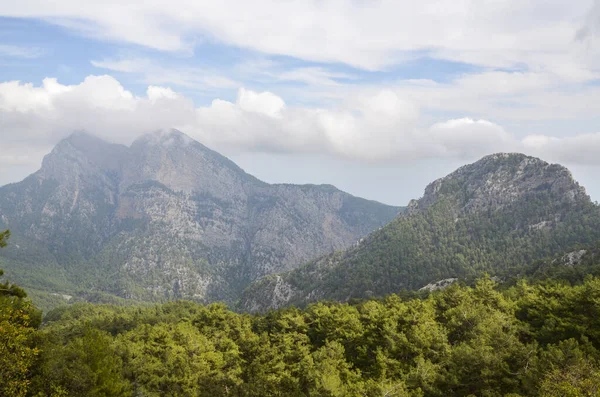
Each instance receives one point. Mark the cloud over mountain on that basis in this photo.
(377, 126)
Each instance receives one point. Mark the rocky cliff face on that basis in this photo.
(498, 180)
(496, 215)
(168, 217)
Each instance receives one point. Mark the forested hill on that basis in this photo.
(496, 215)
(523, 338)
(165, 218)
(537, 340)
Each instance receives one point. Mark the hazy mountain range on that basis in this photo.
(166, 218)
(169, 218)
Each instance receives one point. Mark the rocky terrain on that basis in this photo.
(166, 218)
(496, 215)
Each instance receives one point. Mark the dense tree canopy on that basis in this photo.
(18, 321)
(529, 340)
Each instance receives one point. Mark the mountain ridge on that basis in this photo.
(167, 217)
(500, 212)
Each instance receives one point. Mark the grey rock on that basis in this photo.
(573, 258)
(439, 285)
(498, 180)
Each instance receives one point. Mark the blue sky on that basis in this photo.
(340, 92)
(59, 52)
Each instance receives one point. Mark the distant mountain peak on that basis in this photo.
(85, 151)
(507, 155)
(166, 137)
(168, 217)
(81, 140)
(182, 164)
(494, 216)
(498, 179)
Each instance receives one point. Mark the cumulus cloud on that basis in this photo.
(580, 149)
(265, 103)
(467, 138)
(40, 116)
(376, 126)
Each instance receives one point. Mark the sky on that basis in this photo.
(377, 97)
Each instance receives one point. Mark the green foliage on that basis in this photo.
(538, 339)
(577, 380)
(8, 289)
(18, 320)
(528, 340)
(17, 351)
(85, 365)
(3, 237)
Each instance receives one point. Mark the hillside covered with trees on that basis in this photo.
(526, 338)
(496, 215)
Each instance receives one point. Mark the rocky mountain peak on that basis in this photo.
(82, 153)
(494, 216)
(165, 138)
(499, 179)
(168, 217)
(182, 164)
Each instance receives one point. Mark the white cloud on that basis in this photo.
(591, 29)
(501, 83)
(507, 96)
(580, 149)
(379, 126)
(548, 50)
(155, 93)
(316, 76)
(14, 51)
(40, 116)
(124, 65)
(265, 103)
(152, 73)
(467, 138)
(366, 34)
(537, 59)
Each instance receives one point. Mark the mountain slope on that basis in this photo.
(497, 214)
(164, 218)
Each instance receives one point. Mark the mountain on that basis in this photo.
(166, 218)
(496, 215)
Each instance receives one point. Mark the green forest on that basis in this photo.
(534, 337)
